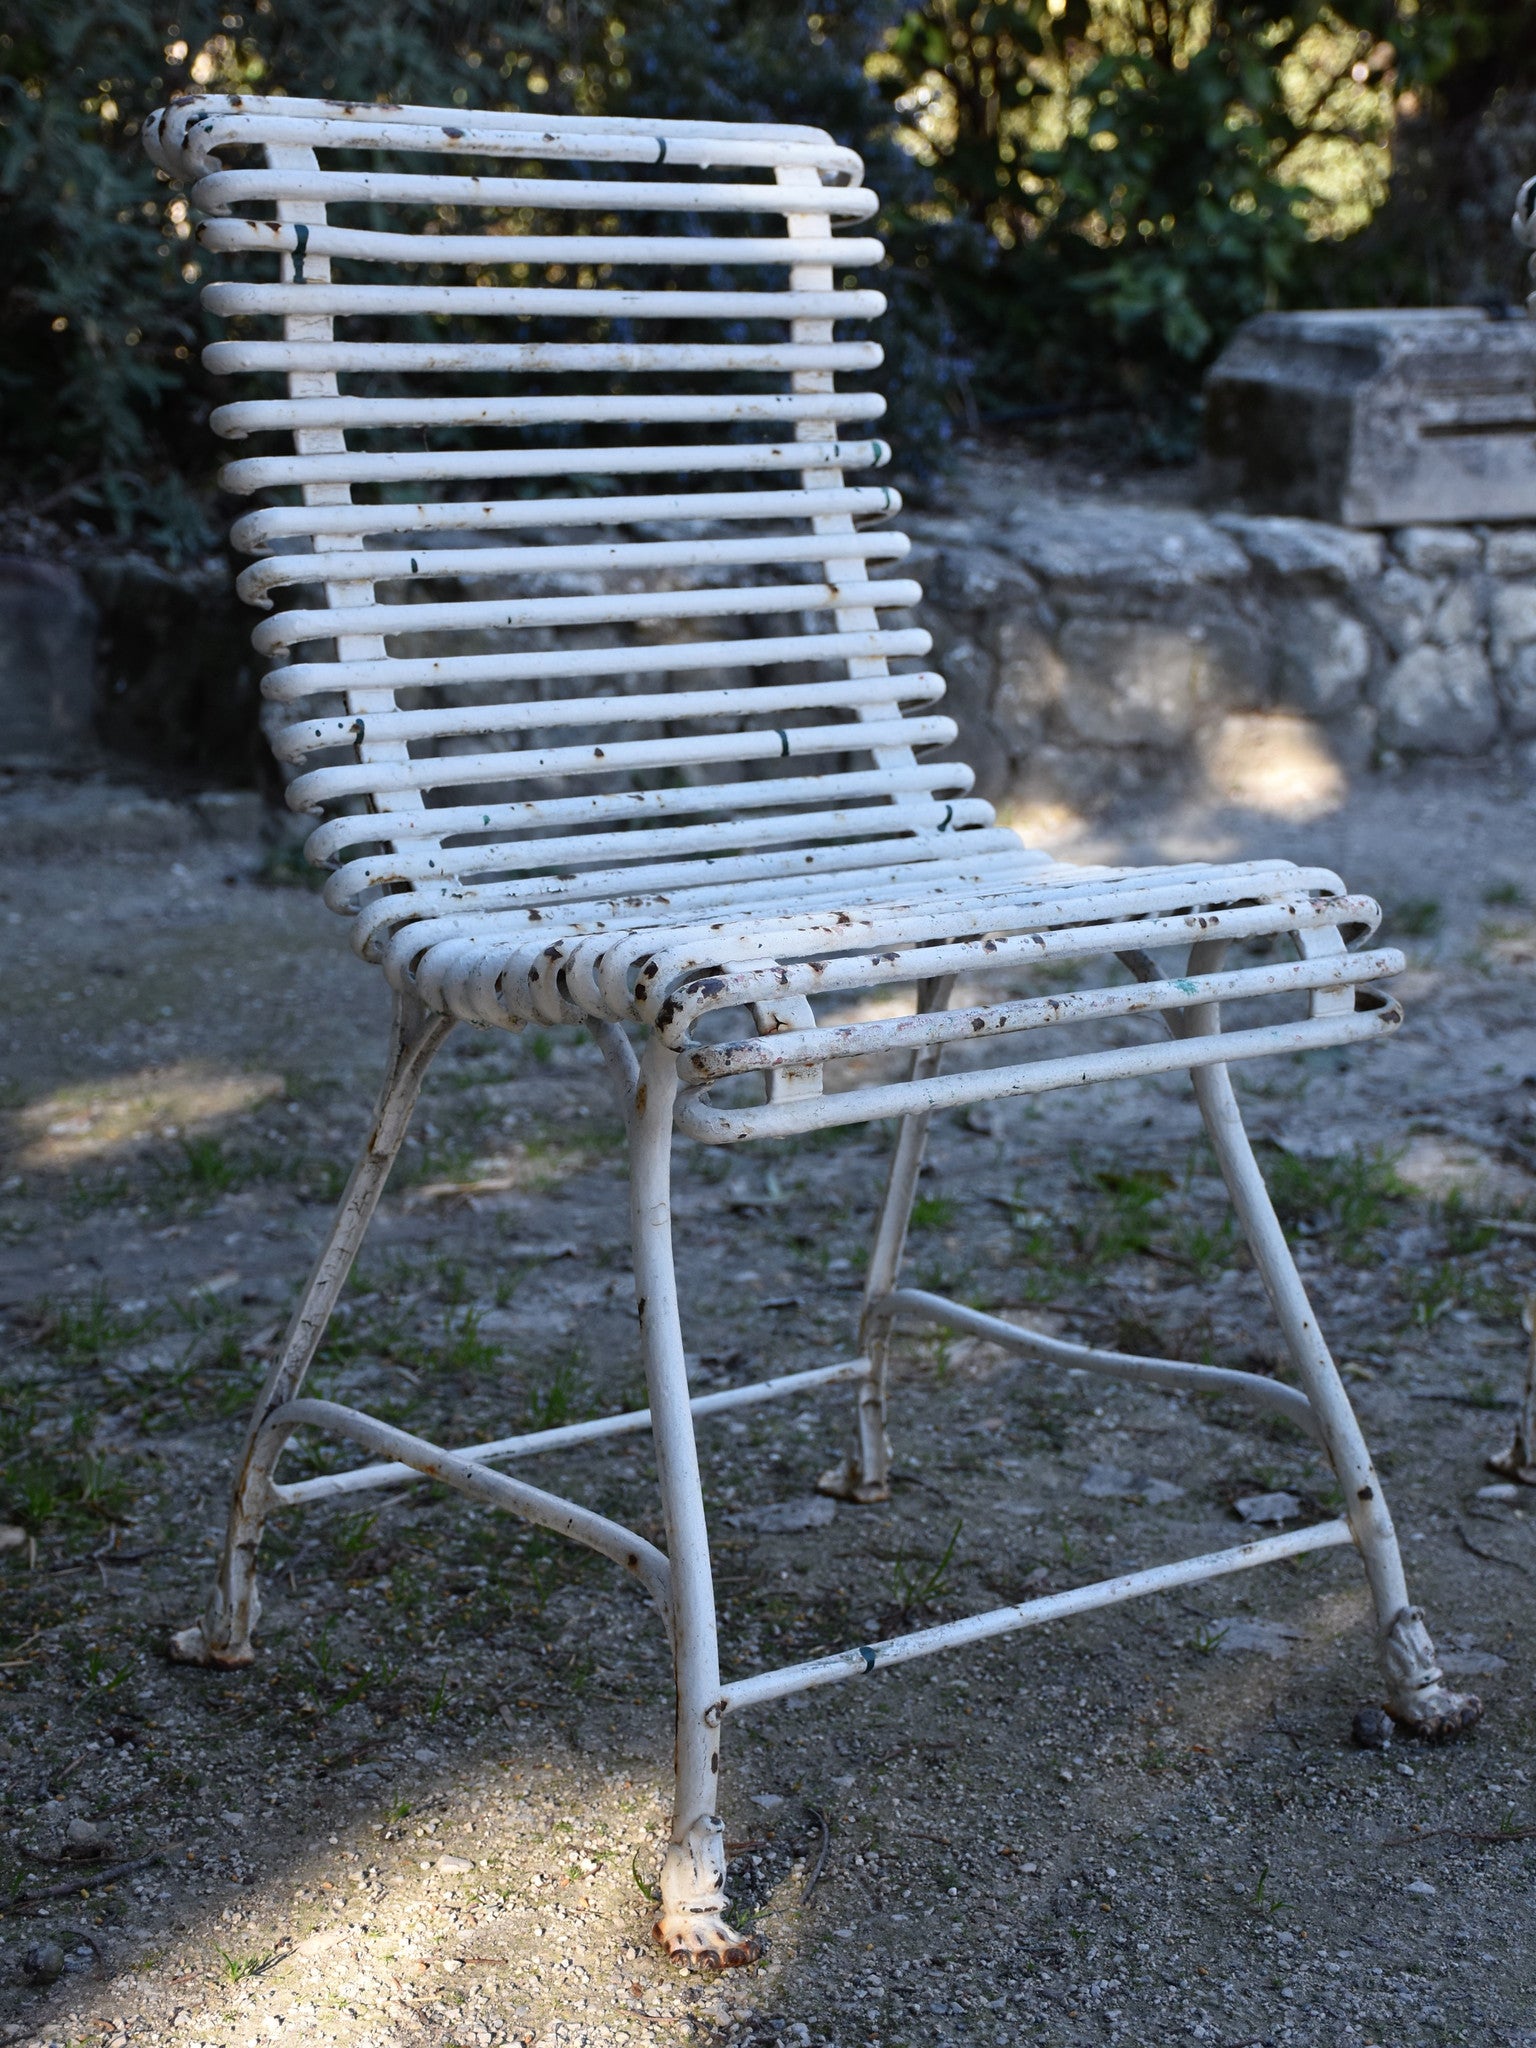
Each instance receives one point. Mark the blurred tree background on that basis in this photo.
(1082, 197)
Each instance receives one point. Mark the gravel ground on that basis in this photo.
(427, 1813)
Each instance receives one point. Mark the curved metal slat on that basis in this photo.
(606, 608)
(482, 358)
(229, 236)
(265, 472)
(373, 415)
(220, 190)
(637, 807)
(610, 757)
(462, 671)
(675, 707)
(391, 565)
(254, 532)
(532, 302)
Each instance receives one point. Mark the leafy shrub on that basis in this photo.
(1082, 198)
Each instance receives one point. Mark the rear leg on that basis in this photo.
(223, 1636)
(865, 1473)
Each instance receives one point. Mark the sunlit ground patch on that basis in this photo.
(1274, 762)
(96, 1119)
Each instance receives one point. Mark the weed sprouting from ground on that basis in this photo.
(1347, 1195)
(918, 1582)
(1414, 917)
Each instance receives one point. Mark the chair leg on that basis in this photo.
(692, 1923)
(223, 1636)
(1519, 1461)
(865, 1473)
(1416, 1696)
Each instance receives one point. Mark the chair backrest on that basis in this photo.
(671, 651)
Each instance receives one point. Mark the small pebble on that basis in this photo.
(43, 1963)
(1372, 1728)
(1261, 1508)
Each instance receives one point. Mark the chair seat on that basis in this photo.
(674, 960)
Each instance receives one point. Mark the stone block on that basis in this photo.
(47, 665)
(1439, 700)
(1133, 682)
(1305, 549)
(1512, 552)
(1517, 687)
(1123, 548)
(1375, 418)
(1324, 656)
(1512, 620)
(1401, 605)
(1460, 614)
(1030, 674)
(1436, 550)
(978, 579)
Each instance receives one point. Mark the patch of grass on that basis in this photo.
(1432, 1291)
(917, 1582)
(1126, 1213)
(932, 1212)
(1345, 1195)
(1204, 1250)
(1413, 917)
(238, 1968)
(353, 1533)
(558, 1397)
(1505, 895)
(463, 1349)
(83, 1331)
(1465, 1231)
(285, 867)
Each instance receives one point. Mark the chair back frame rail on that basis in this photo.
(679, 780)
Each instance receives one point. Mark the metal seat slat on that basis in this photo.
(604, 608)
(372, 415)
(391, 565)
(538, 814)
(229, 236)
(255, 532)
(452, 671)
(612, 757)
(535, 302)
(220, 190)
(763, 700)
(483, 358)
(267, 472)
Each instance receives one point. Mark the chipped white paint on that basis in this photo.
(643, 859)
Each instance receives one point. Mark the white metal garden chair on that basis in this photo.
(525, 823)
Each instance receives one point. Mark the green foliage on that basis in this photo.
(1081, 198)
(1344, 1197)
(98, 274)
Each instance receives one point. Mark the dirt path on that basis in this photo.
(422, 1816)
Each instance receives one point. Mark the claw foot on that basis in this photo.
(1419, 1701)
(704, 1940)
(1512, 1464)
(692, 1925)
(844, 1482)
(191, 1646)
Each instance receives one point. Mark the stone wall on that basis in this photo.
(111, 661)
(1091, 647)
